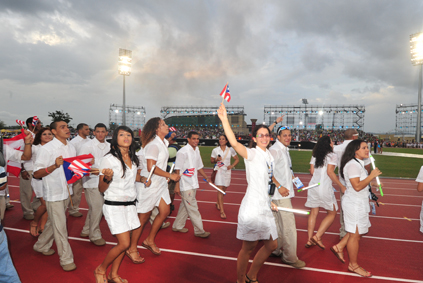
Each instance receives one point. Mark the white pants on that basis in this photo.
(95, 211)
(189, 208)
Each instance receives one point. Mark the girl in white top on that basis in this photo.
(117, 181)
(221, 155)
(322, 195)
(255, 218)
(355, 203)
(157, 195)
(40, 217)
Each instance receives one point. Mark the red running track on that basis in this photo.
(392, 250)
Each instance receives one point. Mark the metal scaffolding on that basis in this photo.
(311, 117)
(406, 119)
(166, 111)
(135, 116)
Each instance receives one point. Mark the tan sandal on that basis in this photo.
(359, 268)
(151, 248)
(99, 277)
(309, 244)
(318, 242)
(134, 260)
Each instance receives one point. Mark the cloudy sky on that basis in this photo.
(62, 55)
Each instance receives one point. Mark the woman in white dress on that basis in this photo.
(42, 137)
(355, 203)
(117, 181)
(322, 195)
(255, 217)
(221, 156)
(154, 147)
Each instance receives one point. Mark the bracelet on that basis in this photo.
(107, 181)
(47, 171)
(279, 187)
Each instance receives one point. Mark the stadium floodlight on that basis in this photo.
(124, 68)
(416, 49)
(305, 101)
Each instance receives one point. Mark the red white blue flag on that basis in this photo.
(17, 143)
(220, 164)
(20, 123)
(172, 129)
(189, 172)
(77, 167)
(34, 121)
(225, 93)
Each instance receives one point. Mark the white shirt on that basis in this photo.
(227, 161)
(339, 150)
(188, 158)
(98, 150)
(77, 142)
(55, 184)
(354, 169)
(282, 169)
(419, 178)
(157, 151)
(120, 189)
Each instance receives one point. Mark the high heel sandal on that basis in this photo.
(134, 260)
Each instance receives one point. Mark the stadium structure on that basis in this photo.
(204, 117)
(314, 117)
(135, 116)
(406, 119)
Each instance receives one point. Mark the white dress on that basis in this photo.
(419, 179)
(223, 175)
(120, 218)
(37, 184)
(255, 218)
(355, 205)
(322, 195)
(149, 197)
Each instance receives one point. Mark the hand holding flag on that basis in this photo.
(225, 93)
(75, 170)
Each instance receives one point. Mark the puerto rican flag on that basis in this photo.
(172, 129)
(220, 164)
(225, 93)
(34, 120)
(17, 143)
(189, 172)
(77, 167)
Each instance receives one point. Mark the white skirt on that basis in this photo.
(121, 218)
(223, 177)
(149, 197)
(356, 214)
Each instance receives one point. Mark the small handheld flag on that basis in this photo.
(20, 123)
(34, 120)
(225, 93)
(309, 187)
(372, 160)
(189, 172)
(76, 170)
(220, 164)
(172, 129)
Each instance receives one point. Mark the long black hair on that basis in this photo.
(252, 143)
(115, 151)
(321, 150)
(349, 154)
(149, 131)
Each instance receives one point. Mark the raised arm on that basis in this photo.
(223, 116)
(278, 120)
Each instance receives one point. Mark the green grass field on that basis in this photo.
(403, 150)
(391, 166)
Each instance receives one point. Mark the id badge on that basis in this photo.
(297, 183)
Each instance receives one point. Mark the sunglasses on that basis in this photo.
(283, 128)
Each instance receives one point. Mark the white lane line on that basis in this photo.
(303, 230)
(234, 259)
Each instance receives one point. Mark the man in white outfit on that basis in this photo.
(189, 157)
(78, 141)
(98, 147)
(48, 166)
(285, 221)
(349, 136)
